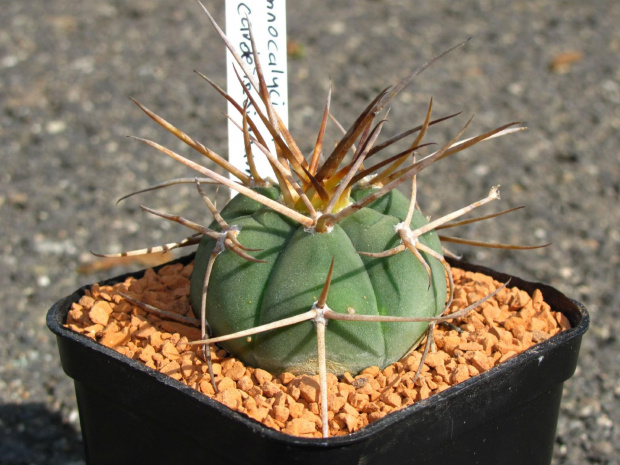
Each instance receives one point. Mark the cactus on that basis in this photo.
(289, 279)
(327, 242)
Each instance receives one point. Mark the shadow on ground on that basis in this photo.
(32, 434)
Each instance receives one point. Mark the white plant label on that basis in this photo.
(268, 21)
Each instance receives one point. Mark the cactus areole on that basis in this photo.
(243, 294)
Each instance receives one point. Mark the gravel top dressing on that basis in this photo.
(500, 328)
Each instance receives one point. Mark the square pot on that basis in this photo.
(507, 415)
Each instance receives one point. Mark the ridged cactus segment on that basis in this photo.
(403, 286)
(295, 285)
(234, 301)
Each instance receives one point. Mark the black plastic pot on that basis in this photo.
(131, 414)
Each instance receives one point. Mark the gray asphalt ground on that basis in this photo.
(68, 68)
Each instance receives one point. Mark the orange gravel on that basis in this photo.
(499, 329)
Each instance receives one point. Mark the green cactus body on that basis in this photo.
(243, 295)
